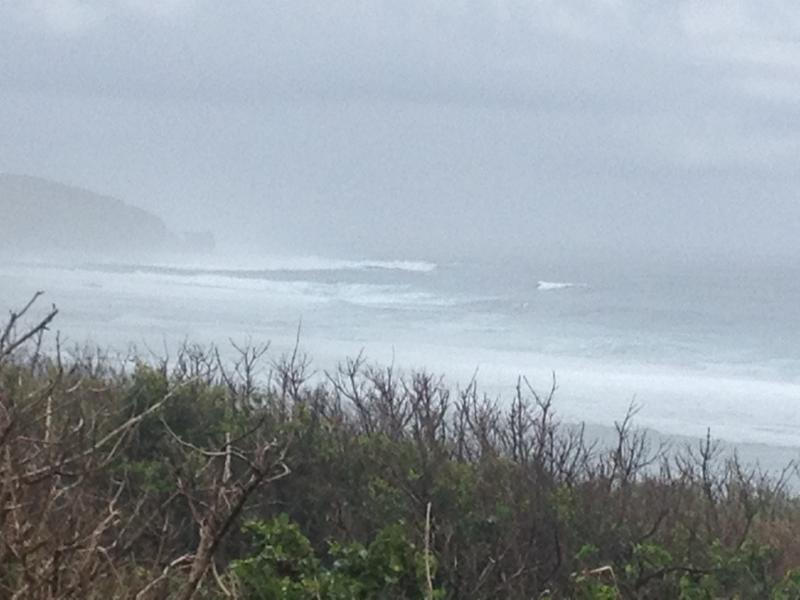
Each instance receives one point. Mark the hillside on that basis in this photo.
(40, 218)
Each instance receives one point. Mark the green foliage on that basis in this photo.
(742, 572)
(519, 508)
(594, 586)
(587, 554)
(285, 567)
(789, 587)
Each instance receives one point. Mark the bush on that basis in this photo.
(129, 479)
(285, 567)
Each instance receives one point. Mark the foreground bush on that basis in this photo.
(125, 478)
(285, 566)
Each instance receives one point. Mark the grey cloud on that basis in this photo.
(366, 126)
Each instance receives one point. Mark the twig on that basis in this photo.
(428, 574)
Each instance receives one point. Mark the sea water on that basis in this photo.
(694, 347)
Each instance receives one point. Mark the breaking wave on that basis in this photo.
(545, 286)
(268, 264)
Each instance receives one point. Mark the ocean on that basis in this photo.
(693, 347)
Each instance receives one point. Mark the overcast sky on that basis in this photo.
(422, 127)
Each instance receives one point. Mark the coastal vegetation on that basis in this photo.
(197, 476)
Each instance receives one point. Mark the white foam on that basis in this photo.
(390, 296)
(230, 286)
(545, 286)
(399, 265)
(293, 263)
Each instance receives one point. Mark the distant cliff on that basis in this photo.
(41, 217)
